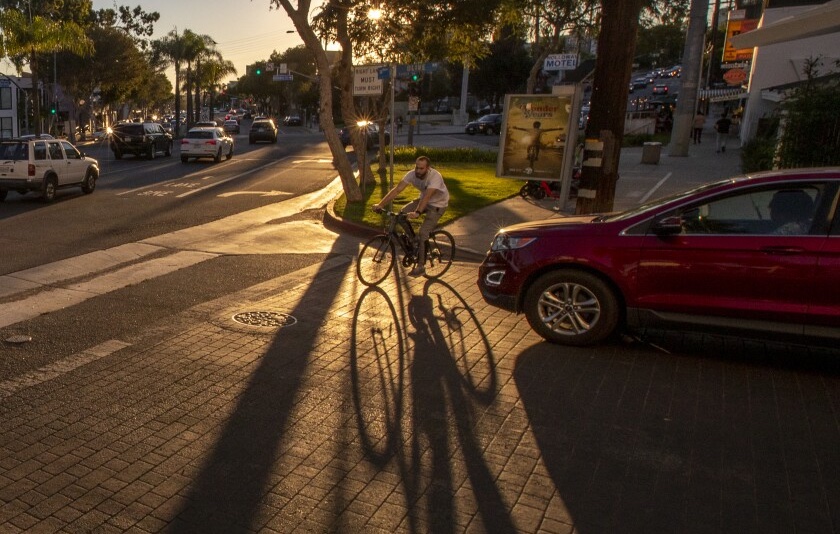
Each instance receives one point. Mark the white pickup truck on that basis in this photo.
(44, 165)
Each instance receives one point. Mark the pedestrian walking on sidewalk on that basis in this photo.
(722, 128)
(699, 123)
(433, 201)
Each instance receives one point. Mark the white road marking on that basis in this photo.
(60, 367)
(250, 232)
(653, 190)
(261, 193)
(59, 271)
(59, 298)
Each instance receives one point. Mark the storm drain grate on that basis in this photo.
(266, 319)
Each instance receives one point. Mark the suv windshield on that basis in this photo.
(131, 129)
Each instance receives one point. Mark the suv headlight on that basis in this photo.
(505, 242)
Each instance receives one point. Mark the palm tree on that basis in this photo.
(24, 38)
(193, 48)
(171, 50)
(213, 72)
(205, 53)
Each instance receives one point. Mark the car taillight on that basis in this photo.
(185, 141)
(30, 169)
(211, 142)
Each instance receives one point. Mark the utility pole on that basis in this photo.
(602, 147)
(692, 65)
(713, 53)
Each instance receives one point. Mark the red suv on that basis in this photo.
(758, 254)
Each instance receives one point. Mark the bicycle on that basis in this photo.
(379, 254)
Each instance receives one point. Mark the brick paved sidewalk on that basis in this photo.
(414, 407)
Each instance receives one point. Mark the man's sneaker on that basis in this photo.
(417, 271)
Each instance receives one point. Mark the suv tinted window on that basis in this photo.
(55, 151)
(130, 129)
(40, 150)
(70, 151)
(200, 135)
(13, 151)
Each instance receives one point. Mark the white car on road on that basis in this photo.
(44, 165)
(206, 142)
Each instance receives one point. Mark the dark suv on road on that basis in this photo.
(140, 139)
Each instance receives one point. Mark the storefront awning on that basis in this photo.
(820, 20)
(722, 95)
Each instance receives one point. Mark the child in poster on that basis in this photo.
(528, 151)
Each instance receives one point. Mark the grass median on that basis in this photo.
(470, 176)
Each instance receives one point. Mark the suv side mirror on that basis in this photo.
(671, 225)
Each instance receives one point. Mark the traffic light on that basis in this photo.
(413, 89)
(259, 71)
(52, 110)
(415, 76)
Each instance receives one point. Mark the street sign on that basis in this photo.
(413, 103)
(366, 81)
(560, 62)
(403, 71)
(282, 77)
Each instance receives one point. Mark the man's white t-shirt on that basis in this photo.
(433, 179)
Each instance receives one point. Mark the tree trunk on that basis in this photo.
(616, 45)
(692, 62)
(300, 19)
(538, 64)
(177, 101)
(188, 84)
(197, 94)
(36, 94)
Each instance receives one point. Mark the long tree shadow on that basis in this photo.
(637, 440)
(228, 491)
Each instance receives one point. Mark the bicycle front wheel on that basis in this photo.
(375, 260)
(440, 251)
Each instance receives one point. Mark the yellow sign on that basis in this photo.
(535, 136)
(737, 27)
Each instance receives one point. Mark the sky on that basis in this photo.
(245, 30)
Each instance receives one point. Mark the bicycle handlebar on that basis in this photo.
(388, 213)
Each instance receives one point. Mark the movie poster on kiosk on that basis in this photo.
(535, 138)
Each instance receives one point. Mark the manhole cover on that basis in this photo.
(266, 319)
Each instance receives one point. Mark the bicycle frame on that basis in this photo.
(400, 220)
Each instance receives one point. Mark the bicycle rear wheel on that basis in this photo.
(375, 260)
(440, 251)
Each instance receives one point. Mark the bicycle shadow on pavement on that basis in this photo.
(421, 378)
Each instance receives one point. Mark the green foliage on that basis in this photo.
(660, 45)
(407, 154)
(757, 154)
(811, 132)
(471, 186)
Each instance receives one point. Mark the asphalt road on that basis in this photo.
(146, 243)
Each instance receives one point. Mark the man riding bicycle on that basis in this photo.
(433, 201)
